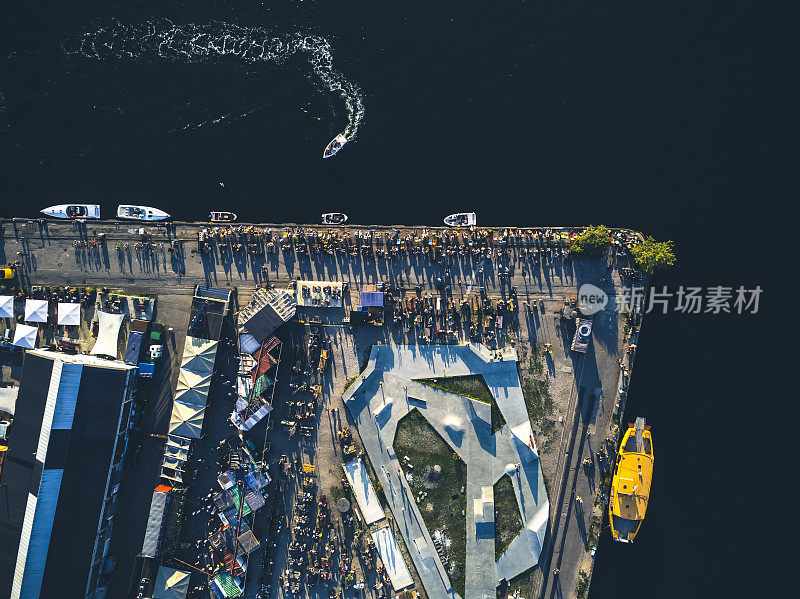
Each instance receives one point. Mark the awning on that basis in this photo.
(171, 584)
(35, 310)
(25, 336)
(69, 314)
(186, 420)
(199, 355)
(6, 306)
(108, 335)
(177, 453)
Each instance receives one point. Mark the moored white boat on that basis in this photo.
(336, 144)
(222, 217)
(461, 219)
(334, 218)
(132, 212)
(73, 211)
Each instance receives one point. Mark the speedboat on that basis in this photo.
(334, 218)
(222, 217)
(461, 219)
(630, 485)
(130, 212)
(73, 211)
(337, 143)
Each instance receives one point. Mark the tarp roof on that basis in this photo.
(6, 306)
(152, 532)
(227, 585)
(171, 584)
(8, 398)
(69, 314)
(36, 310)
(266, 311)
(25, 336)
(199, 355)
(186, 420)
(372, 298)
(108, 335)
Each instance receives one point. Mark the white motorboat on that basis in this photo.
(73, 211)
(336, 144)
(334, 218)
(131, 212)
(461, 219)
(222, 217)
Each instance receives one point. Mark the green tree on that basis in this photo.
(593, 242)
(652, 255)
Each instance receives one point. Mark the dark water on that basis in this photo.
(677, 118)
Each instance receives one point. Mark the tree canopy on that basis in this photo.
(591, 243)
(652, 255)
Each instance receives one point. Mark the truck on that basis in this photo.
(583, 333)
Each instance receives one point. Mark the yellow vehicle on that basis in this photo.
(630, 486)
(7, 273)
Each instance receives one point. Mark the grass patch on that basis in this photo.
(594, 532)
(471, 386)
(349, 383)
(498, 421)
(443, 505)
(507, 519)
(582, 588)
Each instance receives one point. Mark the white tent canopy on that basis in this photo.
(171, 584)
(6, 306)
(186, 420)
(108, 335)
(199, 355)
(35, 310)
(192, 387)
(25, 336)
(69, 314)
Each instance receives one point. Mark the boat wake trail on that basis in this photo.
(191, 43)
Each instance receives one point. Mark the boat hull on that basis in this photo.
(222, 217)
(336, 144)
(74, 211)
(630, 485)
(148, 213)
(461, 219)
(334, 218)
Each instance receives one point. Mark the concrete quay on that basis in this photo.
(169, 262)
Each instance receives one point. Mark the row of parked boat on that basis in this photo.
(148, 213)
(125, 212)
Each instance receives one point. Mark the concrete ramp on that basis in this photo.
(366, 497)
(392, 558)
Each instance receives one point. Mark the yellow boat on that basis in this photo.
(630, 487)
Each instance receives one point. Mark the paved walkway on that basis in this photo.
(379, 400)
